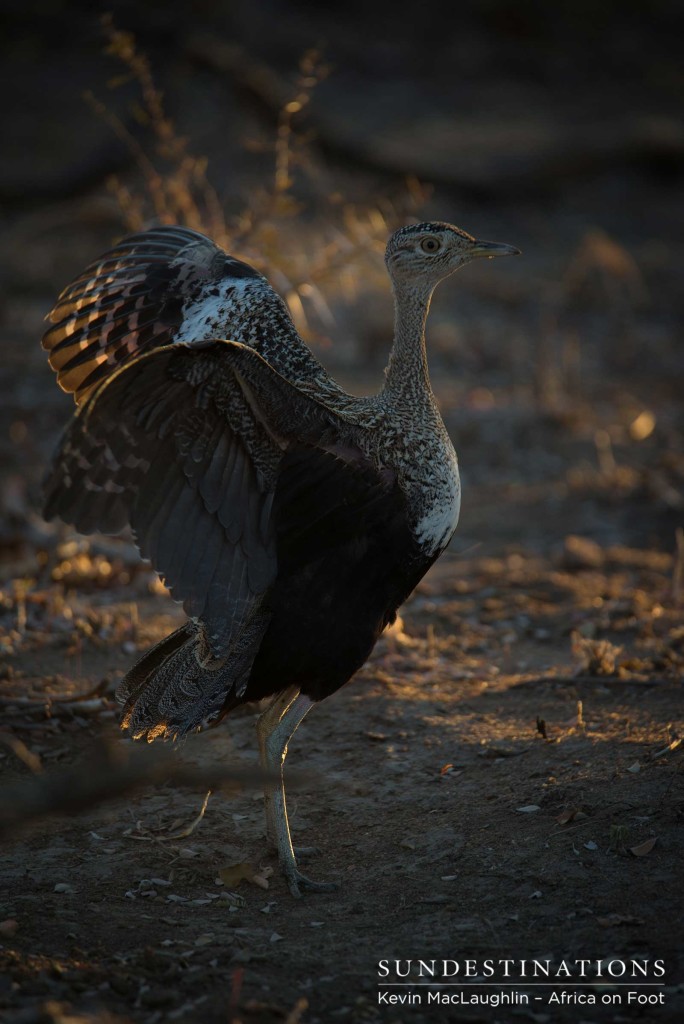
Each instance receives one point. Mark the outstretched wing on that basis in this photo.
(186, 445)
(153, 288)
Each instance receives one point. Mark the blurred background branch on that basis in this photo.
(109, 770)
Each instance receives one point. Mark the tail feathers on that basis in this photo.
(178, 686)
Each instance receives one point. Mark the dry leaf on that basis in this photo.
(567, 815)
(613, 920)
(261, 878)
(643, 848)
(232, 874)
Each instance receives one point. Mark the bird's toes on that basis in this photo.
(302, 852)
(299, 884)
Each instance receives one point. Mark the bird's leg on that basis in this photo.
(274, 730)
(270, 757)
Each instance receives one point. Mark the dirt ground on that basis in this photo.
(504, 777)
(478, 791)
(473, 795)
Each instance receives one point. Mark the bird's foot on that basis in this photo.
(302, 852)
(299, 883)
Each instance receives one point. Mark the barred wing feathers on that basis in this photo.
(151, 289)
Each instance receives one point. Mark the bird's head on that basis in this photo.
(424, 254)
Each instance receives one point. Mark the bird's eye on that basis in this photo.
(429, 245)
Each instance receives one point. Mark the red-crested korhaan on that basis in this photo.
(289, 517)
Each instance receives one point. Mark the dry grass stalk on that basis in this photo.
(177, 190)
(678, 569)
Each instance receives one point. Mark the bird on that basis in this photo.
(290, 518)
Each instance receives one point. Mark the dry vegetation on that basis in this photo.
(268, 231)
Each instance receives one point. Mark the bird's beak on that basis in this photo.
(491, 249)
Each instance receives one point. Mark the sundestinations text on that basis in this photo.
(512, 968)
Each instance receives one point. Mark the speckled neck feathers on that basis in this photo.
(407, 376)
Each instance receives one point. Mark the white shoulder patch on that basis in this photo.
(209, 316)
(436, 526)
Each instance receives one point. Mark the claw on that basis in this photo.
(299, 883)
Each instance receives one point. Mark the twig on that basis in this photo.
(189, 829)
(20, 750)
(56, 708)
(668, 749)
(580, 715)
(29, 702)
(295, 1014)
(95, 691)
(678, 570)
(173, 836)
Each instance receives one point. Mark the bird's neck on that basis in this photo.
(406, 376)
